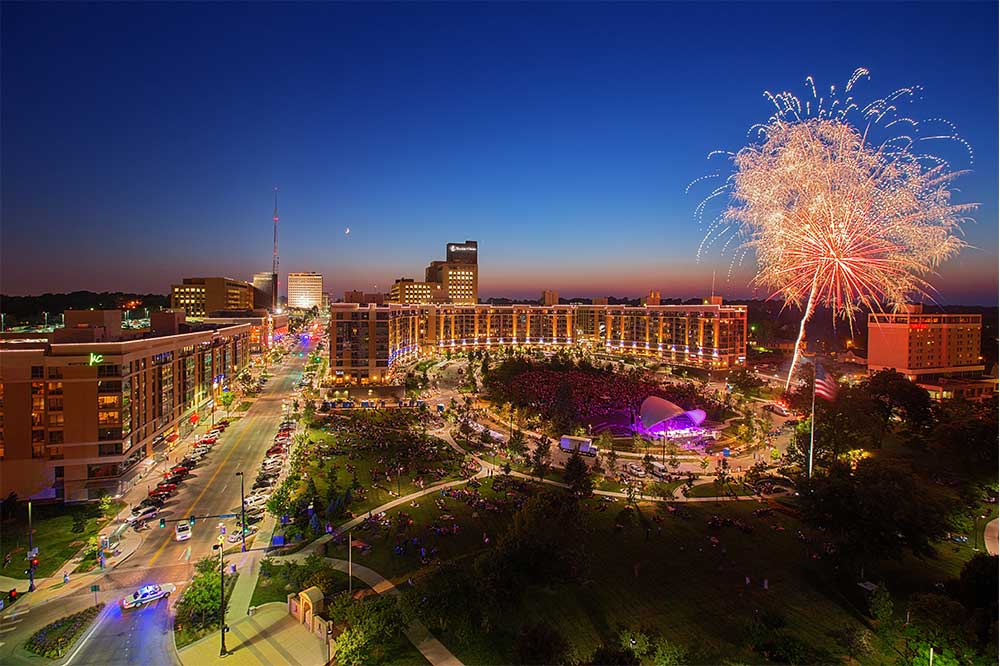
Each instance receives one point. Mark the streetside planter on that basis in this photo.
(53, 640)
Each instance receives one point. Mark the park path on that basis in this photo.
(432, 649)
(992, 535)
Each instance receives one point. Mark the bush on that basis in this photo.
(54, 639)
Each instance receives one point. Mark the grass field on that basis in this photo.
(679, 584)
(364, 461)
(473, 525)
(53, 535)
(711, 489)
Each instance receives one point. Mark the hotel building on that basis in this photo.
(305, 290)
(81, 410)
(455, 280)
(366, 343)
(407, 292)
(925, 346)
(199, 296)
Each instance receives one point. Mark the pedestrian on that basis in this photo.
(748, 581)
(65, 577)
(765, 583)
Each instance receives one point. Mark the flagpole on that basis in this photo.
(812, 429)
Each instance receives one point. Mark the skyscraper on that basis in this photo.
(267, 284)
(305, 290)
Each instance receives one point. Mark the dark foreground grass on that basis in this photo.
(679, 584)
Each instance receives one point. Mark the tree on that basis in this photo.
(612, 457)
(722, 476)
(106, 505)
(226, 400)
(881, 608)
(597, 468)
(372, 623)
(673, 461)
(666, 653)
(486, 439)
(540, 457)
(577, 475)
(517, 445)
(895, 395)
(636, 642)
(744, 381)
(647, 463)
(541, 643)
(877, 510)
(940, 621)
(978, 583)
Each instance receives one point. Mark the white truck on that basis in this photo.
(583, 445)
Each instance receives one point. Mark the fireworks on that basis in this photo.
(833, 217)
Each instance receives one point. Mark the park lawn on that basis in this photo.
(52, 534)
(681, 586)
(469, 540)
(712, 490)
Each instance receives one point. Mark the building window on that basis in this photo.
(109, 370)
(106, 434)
(55, 437)
(36, 372)
(55, 373)
(112, 449)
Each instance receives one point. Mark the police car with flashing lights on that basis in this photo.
(146, 594)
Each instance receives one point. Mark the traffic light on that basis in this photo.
(34, 563)
(191, 521)
(13, 593)
(163, 523)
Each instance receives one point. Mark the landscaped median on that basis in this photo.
(197, 612)
(55, 639)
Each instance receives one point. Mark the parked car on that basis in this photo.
(166, 485)
(180, 469)
(146, 513)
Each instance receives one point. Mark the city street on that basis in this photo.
(144, 636)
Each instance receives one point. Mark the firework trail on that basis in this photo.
(833, 217)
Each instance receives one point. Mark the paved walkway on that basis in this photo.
(992, 536)
(269, 636)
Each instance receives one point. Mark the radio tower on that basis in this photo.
(274, 261)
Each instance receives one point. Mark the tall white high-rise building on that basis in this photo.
(305, 290)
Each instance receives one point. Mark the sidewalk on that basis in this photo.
(992, 535)
(269, 636)
(129, 540)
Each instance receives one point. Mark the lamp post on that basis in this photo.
(31, 568)
(222, 596)
(215, 385)
(243, 513)
(46, 319)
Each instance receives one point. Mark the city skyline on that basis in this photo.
(571, 174)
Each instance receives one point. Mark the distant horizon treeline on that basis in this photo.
(31, 309)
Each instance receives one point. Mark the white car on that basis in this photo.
(146, 594)
(254, 500)
(182, 532)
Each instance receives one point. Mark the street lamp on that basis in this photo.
(243, 513)
(222, 596)
(31, 567)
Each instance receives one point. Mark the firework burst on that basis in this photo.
(833, 217)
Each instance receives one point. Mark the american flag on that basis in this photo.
(825, 386)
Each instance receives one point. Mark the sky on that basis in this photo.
(141, 142)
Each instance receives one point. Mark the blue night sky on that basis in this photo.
(141, 142)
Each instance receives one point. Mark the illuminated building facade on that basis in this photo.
(366, 343)
(925, 346)
(455, 280)
(81, 411)
(199, 296)
(305, 290)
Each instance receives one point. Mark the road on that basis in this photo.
(144, 636)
